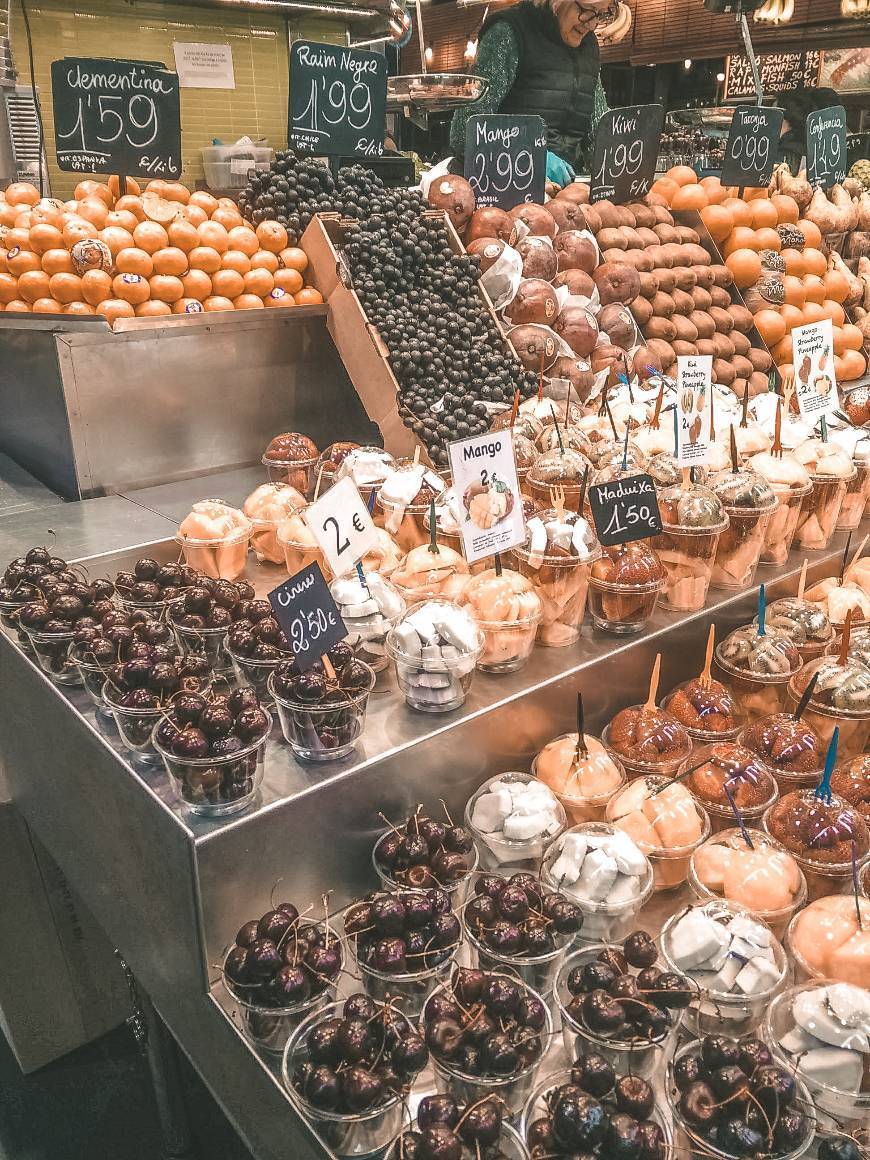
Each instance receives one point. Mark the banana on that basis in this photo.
(618, 29)
(787, 11)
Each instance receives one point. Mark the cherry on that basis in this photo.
(389, 957)
(594, 1074)
(322, 1042)
(838, 1148)
(188, 707)
(480, 911)
(613, 958)
(672, 992)
(360, 1007)
(274, 925)
(634, 1096)
(500, 1054)
(449, 867)
(410, 1055)
(513, 904)
(739, 1138)
(648, 978)
(240, 699)
(322, 1088)
(774, 1088)
(236, 965)
(719, 1051)
(251, 723)
(688, 1069)
(698, 1105)
(594, 976)
(190, 743)
(579, 1121)
(441, 1005)
(791, 1129)
(418, 909)
(753, 1054)
(353, 1040)
(654, 1145)
(504, 937)
(289, 986)
(469, 985)
(248, 933)
(623, 1139)
(444, 1037)
(469, 1060)
(532, 1013)
(539, 1137)
(640, 950)
(439, 1143)
(437, 1110)
(489, 884)
(624, 987)
(501, 995)
(388, 915)
(602, 1013)
(263, 959)
(481, 1124)
(446, 931)
(728, 1081)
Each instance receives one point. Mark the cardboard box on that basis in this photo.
(61, 985)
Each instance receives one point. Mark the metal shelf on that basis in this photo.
(171, 889)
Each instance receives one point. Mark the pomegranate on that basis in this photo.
(455, 196)
(535, 301)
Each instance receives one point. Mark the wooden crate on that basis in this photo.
(359, 343)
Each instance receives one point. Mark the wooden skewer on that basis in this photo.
(858, 554)
(516, 407)
(847, 637)
(802, 582)
(705, 680)
(654, 683)
(327, 664)
(654, 422)
(687, 478)
(417, 455)
(776, 449)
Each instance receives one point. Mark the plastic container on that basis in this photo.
(820, 511)
(458, 891)
(816, 934)
(536, 971)
(322, 734)
(676, 745)
(622, 608)
(707, 711)
(512, 1091)
(508, 611)
(208, 642)
(537, 1108)
(670, 863)
(829, 823)
(221, 557)
(217, 786)
(849, 1110)
(603, 921)
(855, 499)
(93, 677)
(555, 765)
(361, 1134)
(381, 605)
(423, 574)
(136, 727)
(689, 1142)
(300, 548)
(227, 166)
(792, 750)
(749, 503)
(751, 784)
(636, 1056)
(717, 1012)
(753, 879)
(256, 673)
(9, 620)
(687, 555)
(780, 532)
(757, 678)
(274, 503)
(425, 687)
(555, 469)
(840, 700)
(297, 470)
(804, 622)
(52, 651)
(497, 853)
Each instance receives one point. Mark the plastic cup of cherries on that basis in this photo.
(424, 851)
(445, 1131)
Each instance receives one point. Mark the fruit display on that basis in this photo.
(665, 821)
(513, 818)
(152, 252)
(624, 586)
(830, 938)
(582, 774)
(445, 1129)
(424, 852)
(784, 249)
(825, 834)
(648, 740)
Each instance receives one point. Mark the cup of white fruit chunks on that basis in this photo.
(214, 538)
(605, 873)
(734, 960)
(369, 606)
(513, 818)
(435, 647)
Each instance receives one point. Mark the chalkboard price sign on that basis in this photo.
(625, 154)
(304, 608)
(827, 162)
(116, 116)
(338, 100)
(753, 143)
(506, 159)
(625, 510)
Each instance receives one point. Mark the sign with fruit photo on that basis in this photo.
(485, 476)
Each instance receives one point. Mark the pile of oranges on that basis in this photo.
(158, 251)
(747, 230)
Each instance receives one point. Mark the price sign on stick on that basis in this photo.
(626, 150)
(753, 141)
(338, 100)
(342, 526)
(625, 510)
(506, 159)
(827, 162)
(815, 380)
(116, 116)
(304, 608)
(694, 401)
(485, 480)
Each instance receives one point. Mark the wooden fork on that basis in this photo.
(557, 499)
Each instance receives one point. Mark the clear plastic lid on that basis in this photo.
(771, 656)
(703, 706)
(525, 452)
(609, 450)
(731, 769)
(428, 571)
(552, 467)
(289, 448)
(526, 424)
(665, 470)
(765, 878)
(824, 459)
(332, 457)
(366, 466)
(648, 735)
(581, 776)
(501, 599)
(801, 620)
(634, 565)
(786, 745)
(852, 783)
(843, 688)
(435, 624)
(781, 471)
(572, 437)
(744, 491)
(294, 530)
(819, 831)
(695, 507)
(273, 502)
(213, 519)
(411, 485)
(551, 536)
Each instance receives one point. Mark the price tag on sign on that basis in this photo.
(693, 410)
(116, 116)
(753, 143)
(827, 160)
(304, 608)
(506, 159)
(338, 100)
(485, 480)
(625, 154)
(815, 380)
(625, 510)
(342, 526)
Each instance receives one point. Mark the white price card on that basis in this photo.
(342, 526)
(485, 482)
(813, 359)
(693, 409)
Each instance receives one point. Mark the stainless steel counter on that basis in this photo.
(171, 889)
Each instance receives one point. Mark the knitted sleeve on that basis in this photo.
(497, 59)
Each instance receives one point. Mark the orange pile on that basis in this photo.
(160, 251)
(747, 231)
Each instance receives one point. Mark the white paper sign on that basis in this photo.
(485, 480)
(693, 409)
(204, 66)
(813, 359)
(342, 526)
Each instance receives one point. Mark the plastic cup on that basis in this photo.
(670, 863)
(715, 700)
(498, 852)
(361, 1134)
(757, 694)
(299, 554)
(536, 971)
(720, 812)
(687, 555)
(562, 582)
(136, 727)
(299, 473)
(689, 1142)
(603, 921)
(507, 644)
(9, 621)
(667, 767)
(781, 529)
(457, 891)
(217, 786)
(322, 734)
(823, 877)
(208, 642)
(820, 511)
(742, 876)
(850, 1111)
(415, 676)
(787, 779)
(264, 541)
(256, 673)
(512, 1091)
(404, 522)
(739, 548)
(636, 1056)
(580, 807)
(854, 726)
(855, 499)
(714, 1011)
(367, 635)
(809, 952)
(622, 608)
(52, 651)
(222, 559)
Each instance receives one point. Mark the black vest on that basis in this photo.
(554, 81)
